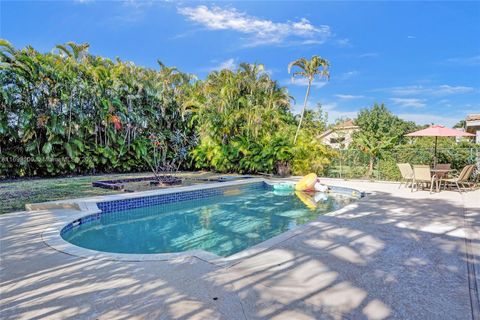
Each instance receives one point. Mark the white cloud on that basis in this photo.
(334, 113)
(261, 31)
(348, 75)
(445, 102)
(229, 64)
(408, 90)
(446, 89)
(312, 41)
(409, 102)
(465, 61)
(344, 43)
(137, 3)
(440, 90)
(131, 12)
(304, 82)
(348, 97)
(369, 55)
(426, 118)
(271, 71)
(411, 37)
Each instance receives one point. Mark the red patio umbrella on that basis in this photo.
(439, 131)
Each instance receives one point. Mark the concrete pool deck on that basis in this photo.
(396, 254)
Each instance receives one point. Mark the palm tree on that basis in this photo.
(309, 69)
(373, 148)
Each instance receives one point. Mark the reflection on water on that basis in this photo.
(223, 225)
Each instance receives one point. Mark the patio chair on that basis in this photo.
(422, 176)
(407, 173)
(462, 178)
(442, 166)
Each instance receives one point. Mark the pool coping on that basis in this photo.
(70, 210)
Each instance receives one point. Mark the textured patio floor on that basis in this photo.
(394, 255)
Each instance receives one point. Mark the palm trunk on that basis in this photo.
(303, 110)
(370, 167)
(69, 121)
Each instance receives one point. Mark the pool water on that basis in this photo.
(222, 225)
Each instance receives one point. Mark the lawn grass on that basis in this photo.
(15, 194)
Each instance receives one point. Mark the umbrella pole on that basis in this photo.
(435, 153)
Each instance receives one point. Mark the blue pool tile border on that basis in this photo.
(133, 203)
(54, 235)
(119, 205)
(175, 197)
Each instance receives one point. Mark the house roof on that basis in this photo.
(473, 117)
(346, 124)
(324, 134)
(349, 124)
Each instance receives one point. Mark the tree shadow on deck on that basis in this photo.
(390, 257)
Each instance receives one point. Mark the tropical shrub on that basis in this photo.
(242, 120)
(70, 112)
(310, 155)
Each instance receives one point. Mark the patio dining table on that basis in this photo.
(438, 174)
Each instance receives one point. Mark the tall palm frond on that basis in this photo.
(72, 50)
(309, 69)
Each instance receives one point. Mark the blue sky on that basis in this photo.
(422, 59)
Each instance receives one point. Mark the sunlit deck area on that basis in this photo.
(394, 254)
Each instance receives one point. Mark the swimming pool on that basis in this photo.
(222, 221)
